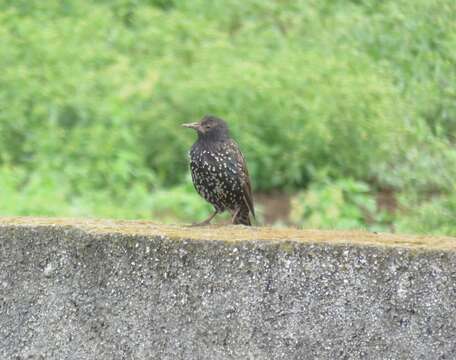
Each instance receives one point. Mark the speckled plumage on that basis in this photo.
(219, 171)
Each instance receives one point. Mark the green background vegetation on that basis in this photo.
(335, 103)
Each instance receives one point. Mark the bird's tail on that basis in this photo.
(242, 217)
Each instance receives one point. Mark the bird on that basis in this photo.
(219, 171)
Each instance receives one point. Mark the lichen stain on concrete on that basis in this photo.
(232, 233)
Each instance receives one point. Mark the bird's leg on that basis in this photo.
(235, 213)
(207, 221)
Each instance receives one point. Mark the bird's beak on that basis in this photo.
(195, 125)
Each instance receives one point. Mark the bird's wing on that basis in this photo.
(245, 178)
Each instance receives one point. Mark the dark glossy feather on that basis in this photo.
(245, 178)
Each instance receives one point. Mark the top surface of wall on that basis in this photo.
(241, 233)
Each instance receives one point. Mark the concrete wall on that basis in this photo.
(133, 290)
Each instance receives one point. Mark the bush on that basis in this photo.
(433, 216)
(342, 204)
(111, 97)
(92, 94)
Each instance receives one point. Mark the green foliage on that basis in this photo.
(342, 204)
(433, 216)
(22, 194)
(92, 94)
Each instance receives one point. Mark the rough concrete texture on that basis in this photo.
(134, 290)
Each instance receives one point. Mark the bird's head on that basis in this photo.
(210, 127)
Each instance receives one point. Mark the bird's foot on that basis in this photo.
(205, 222)
(235, 213)
(202, 223)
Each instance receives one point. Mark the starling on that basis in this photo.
(219, 172)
